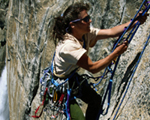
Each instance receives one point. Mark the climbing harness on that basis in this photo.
(111, 70)
(56, 94)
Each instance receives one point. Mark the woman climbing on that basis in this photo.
(74, 36)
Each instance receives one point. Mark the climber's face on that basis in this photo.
(82, 24)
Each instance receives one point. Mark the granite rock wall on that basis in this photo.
(30, 49)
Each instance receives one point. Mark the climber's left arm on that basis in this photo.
(117, 30)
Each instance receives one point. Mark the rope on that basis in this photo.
(146, 43)
(132, 22)
(129, 38)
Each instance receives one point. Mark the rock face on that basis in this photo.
(30, 49)
(3, 12)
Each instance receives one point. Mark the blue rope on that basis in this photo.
(131, 35)
(109, 87)
(146, 43)
(132, 22)
(134, 31)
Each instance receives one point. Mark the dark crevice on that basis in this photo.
(122, 14)
(3, 42)
(33, 89)
(105, 15)
(2, 24)
(125, 79)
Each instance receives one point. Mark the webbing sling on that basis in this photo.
(37, 116)
(129, 38)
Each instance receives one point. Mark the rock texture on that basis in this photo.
(30, 49)
(3, 12)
